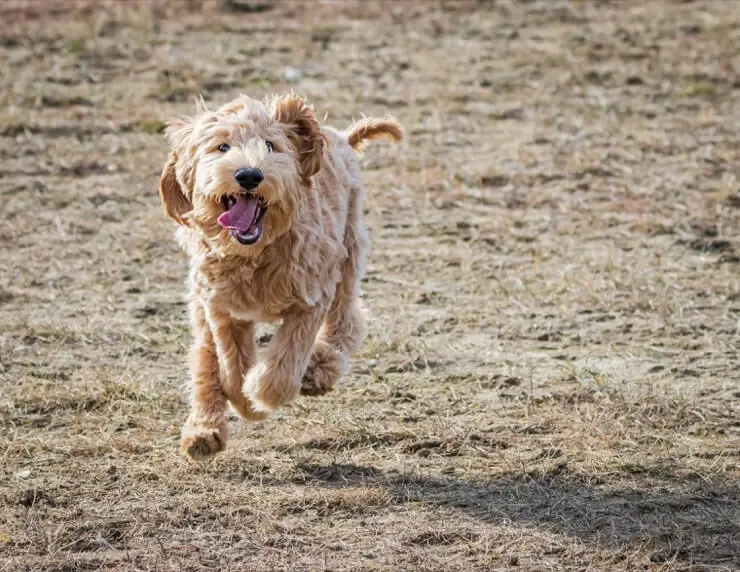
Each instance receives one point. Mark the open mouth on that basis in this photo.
(243, 217)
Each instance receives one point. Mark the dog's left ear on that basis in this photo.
(299, 121)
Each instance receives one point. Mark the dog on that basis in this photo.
(268, 205)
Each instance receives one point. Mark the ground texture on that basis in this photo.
(551, 379)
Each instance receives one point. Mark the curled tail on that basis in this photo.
(369, 128)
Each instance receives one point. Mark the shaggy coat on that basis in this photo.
(303, 269)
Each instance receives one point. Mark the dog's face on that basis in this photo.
(239, 174)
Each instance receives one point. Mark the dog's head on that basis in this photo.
(239, 174)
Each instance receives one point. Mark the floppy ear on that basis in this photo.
(174, 199)
(303, 130)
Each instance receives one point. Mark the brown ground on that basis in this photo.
(551, 380)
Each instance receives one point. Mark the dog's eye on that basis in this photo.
(223, 147)
(270, 146)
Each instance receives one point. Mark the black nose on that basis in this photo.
(248, 178)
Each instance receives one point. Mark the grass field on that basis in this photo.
(552, 375)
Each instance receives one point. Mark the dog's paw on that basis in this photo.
(201, 440)
(246, 409)
(267, 389)
(324, 369)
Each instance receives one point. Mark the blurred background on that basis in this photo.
(551, 379)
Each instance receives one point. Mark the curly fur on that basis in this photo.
(368, 128)
(304, 272)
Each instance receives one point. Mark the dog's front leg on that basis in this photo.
(277, 380)
(222, 350)
(234, 343)
(205, 431)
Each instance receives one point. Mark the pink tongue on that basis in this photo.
(241, 216)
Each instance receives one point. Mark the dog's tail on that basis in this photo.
(369, 128)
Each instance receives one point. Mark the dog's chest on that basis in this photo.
(255, 315)
(252, 294)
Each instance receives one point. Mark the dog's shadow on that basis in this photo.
(693, 522)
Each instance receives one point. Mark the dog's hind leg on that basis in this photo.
(344, 327)
(339, 336)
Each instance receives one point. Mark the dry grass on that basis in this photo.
(551, 380)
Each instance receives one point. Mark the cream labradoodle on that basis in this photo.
(269, 208)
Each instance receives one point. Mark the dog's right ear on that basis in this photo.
(175, 199)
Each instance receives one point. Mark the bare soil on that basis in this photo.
(552, 376)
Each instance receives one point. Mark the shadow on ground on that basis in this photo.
(682, 520)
